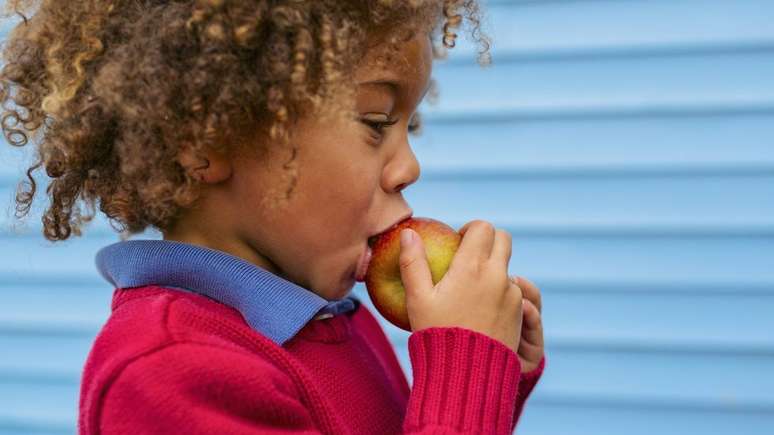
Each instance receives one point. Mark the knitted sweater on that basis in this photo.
(174, 361)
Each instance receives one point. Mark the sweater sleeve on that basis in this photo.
(464, 382)
(527, 382)
(176, 390)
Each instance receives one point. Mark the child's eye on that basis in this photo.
(379, 125)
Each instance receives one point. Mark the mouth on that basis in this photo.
(365, 258)
(362, 264)
(372, 239)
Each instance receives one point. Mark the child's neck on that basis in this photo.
(230, 246)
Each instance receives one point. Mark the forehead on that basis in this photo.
(407, 68)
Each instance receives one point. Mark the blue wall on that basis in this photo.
(627, 146)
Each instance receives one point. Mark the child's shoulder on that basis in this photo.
(146, 319)
(163, 342)
(152, 321)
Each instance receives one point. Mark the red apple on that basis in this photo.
(383, 279)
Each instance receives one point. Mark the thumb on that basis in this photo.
(414, 270)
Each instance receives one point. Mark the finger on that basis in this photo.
(465, 228)
(528, 352)
(532, 324)
(414, 269)
(477, 241)
(501, 249)
(515, 292)
(531, 292)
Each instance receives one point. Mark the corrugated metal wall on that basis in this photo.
(627, 146)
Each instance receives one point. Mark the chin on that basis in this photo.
(346, 288)
(341, 290)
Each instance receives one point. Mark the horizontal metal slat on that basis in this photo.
(49, 355)
(582, 26)
(637, 201)
(650, 144)
(46, 407)
(615, 416)
(599, 84)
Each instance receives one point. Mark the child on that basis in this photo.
(267, 141)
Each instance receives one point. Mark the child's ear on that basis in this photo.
(211, 167)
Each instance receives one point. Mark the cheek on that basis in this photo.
(342, 196)
(365, 187)
(353, 186)
(353, 207)
(352, 202)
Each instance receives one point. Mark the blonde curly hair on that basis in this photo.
(109, 91)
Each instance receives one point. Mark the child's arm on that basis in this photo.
(465, 382)
(435, 360)
(473, 334)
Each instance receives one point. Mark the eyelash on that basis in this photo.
(379, 126)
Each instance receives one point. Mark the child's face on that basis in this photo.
(348, 186)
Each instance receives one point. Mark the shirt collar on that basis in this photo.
(270, 304)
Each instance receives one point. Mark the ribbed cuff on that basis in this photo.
(463, 380)
(528, 380)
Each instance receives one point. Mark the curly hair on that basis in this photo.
(110, 91)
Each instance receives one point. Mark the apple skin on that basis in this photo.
(383, 280)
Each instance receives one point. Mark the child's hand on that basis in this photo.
(475, 293)
(531, 344)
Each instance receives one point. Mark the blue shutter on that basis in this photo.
(628, 146)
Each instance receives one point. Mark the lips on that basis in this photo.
(362, 264)
(365, 257)
(373, 238)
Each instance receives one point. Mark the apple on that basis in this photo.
(383, 280)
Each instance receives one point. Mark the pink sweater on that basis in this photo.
(170, 361)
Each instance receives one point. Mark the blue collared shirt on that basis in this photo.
(270, 304)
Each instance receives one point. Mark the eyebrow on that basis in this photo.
(395, 85)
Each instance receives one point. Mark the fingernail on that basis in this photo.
(406, 236)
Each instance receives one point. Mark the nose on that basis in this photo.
(402, 170)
